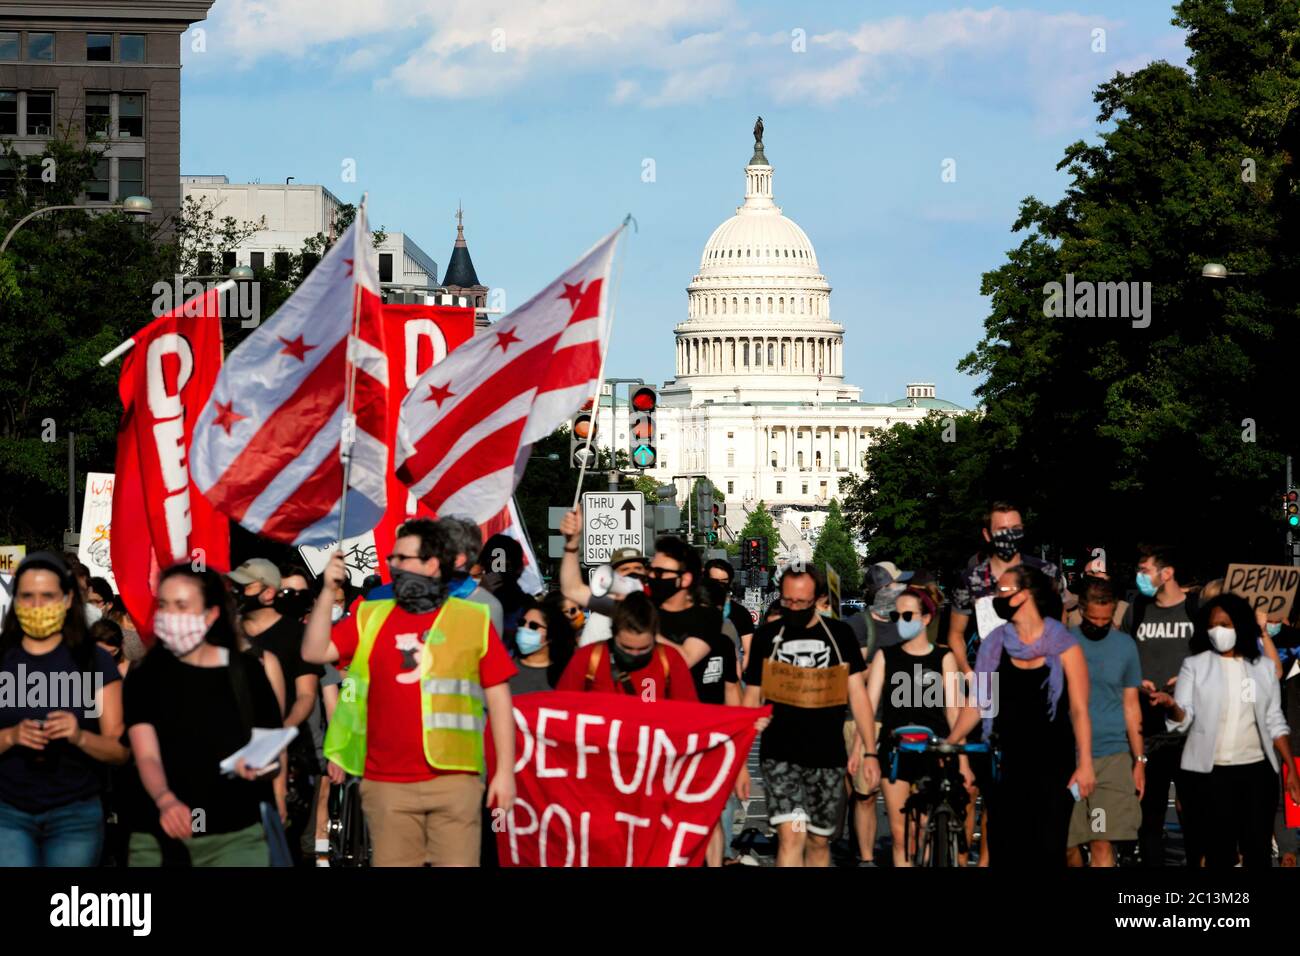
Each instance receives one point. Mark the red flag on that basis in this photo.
(415, 338)
(469, 422)
(614, 780)
(160, 517)
(266, 451)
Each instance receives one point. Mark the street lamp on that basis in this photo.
(138, 206)
(1217, 270)
(242, 273)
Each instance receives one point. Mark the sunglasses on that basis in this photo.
(894, 616)
(660, 573)
(533, 626)
(571, 611)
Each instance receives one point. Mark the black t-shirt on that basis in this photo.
(739, 615)
(718, 667)
(809, 737)
(1163, 635)
(284, 640)
(31, 686)
(194, 713)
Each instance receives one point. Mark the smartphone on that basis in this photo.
(1074, 791)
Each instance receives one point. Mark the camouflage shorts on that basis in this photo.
(813, 795)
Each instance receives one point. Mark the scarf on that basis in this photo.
(1053, 642)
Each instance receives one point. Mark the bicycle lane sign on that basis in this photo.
(611, 520)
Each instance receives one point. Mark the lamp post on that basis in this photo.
(139, 206)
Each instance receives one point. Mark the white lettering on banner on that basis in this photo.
(526, 751)
(417, 329)
(543, 715)
(169, 434)
(643, 735)
(675, 858)
(632, 823)
(729, 746)
(555, 810)
(580, 741)
(516, 831)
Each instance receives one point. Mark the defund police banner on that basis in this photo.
(612, 780)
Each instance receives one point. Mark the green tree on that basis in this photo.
(835, 548)
(759, 524)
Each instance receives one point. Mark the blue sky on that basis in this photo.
(538, 116)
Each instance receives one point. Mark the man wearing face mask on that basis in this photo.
(721, 576)
(802, 751)
(1160, 619)
(972, 617)
(1113, 811)
(427, 675)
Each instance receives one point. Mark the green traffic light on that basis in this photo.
(1293, 521)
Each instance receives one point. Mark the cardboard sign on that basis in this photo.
(805, 686)
(833, 586)
(10, 556)
(1268, 586)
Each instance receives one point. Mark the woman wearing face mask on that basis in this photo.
(108, 635)
(900, 686)
(1228, 703)
(193, 702)
(543, 646)
(53, 748)
(1030, 673)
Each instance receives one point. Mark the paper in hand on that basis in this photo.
(262, 748)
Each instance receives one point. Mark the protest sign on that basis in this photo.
(1267, 586)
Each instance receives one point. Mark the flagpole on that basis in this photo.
(600, 375)
(350, 389)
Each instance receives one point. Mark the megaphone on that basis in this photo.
(605, 580)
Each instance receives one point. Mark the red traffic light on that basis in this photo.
(644, 399)
(1292, 495)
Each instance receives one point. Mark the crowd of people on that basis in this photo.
(1095, 700)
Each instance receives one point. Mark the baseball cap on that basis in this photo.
(256, 569)
(885, 598)
(883, 573)
(624, 555)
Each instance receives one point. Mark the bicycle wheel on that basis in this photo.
(940, 827)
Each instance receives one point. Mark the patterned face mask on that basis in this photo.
(179, 633)
(41, 622)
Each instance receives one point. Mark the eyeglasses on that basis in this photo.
(661, 573)
(399, 558)
(571, 612)
(1006, 590)
(794, 605)
(895, 616)
(533, 626)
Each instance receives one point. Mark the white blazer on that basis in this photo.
(1199, 692)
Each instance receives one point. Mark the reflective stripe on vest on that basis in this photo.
(452, 703)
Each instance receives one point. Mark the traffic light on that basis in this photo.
(641, 428)
(752, 551)
(703, 504)
(1291, 510)
(582, 436)
(714, 520)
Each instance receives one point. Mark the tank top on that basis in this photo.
(913, 692)
(1029, 739)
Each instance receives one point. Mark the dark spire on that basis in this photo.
(758, 159)
(460, 269)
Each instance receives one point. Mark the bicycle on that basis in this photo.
(349, 838)
(935, 814)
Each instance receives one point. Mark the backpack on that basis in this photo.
(598, 655)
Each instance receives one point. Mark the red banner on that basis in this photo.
(612, 780)
(416, 337)
(160, 517)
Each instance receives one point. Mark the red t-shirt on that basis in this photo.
(394, 725)
(648, 682)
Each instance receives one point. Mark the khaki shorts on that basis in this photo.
(436, 821)
(1113, 811)
(859, 781)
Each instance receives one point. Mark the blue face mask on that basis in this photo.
(1274, 628)
(1146, 586)
(528, 641)
(825, 613)
(909, 629)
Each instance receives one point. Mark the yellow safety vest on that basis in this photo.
(452, 706)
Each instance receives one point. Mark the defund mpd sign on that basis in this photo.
(611, 520)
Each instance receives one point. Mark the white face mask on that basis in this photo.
(93, 614)
(336, 614)
(1223, 638)
(179, 633)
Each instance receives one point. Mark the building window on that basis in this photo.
(837, 460)
(770, 354)
(281, 261)
(309, 261)
(805, 525)
(98, 112)
(8, 113)
(130, 115)
(731, 458)
(800, 459)
(773, 459)
(40, 46)
(40, 114)
(778, 487)
(99, 46)
(8, 46)
(731, 487)
(805, 487)
(823, 489)
(385, 267)
(227, 262)
(731, 434)
(130, 48)
(97, 188)
(130, 178)
(744, 350)
(818, 460)
(205, 263)
(257, 260)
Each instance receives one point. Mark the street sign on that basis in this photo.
(611, 520)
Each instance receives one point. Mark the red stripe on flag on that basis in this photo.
(492, 453)
(285, 434)
(315, 498)
(498, 389)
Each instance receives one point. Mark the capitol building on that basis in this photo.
(759, 403)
